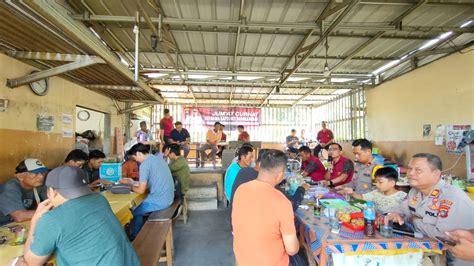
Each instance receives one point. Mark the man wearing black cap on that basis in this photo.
(77, 225)
(22, 194)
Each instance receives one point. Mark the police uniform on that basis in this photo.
(362, 178)
(446, 208)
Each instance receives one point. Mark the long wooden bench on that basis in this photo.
(156, 233)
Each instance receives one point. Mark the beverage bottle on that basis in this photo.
(369, 219)
(317, 208)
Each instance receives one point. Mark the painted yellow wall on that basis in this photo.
(19, 136)
(439, 93)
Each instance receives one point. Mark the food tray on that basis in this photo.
(355, 215)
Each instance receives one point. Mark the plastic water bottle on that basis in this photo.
(369, 219)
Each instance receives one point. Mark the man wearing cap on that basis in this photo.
(77, 225)
(22, 194)
(212, 137)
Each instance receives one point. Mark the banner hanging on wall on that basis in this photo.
(454, 135)
(229, 116)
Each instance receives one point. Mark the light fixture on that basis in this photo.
(326, 72)
(154, 42)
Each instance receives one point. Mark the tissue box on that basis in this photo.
(111, 171)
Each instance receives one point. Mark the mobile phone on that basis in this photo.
(446, 241)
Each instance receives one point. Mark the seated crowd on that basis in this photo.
(66, 215)
(432, 207)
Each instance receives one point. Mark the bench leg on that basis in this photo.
(169, 243)
(185, 210)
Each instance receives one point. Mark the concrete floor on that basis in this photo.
(205, 240)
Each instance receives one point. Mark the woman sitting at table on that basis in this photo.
(386, 196)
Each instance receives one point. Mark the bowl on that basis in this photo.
(470, 189)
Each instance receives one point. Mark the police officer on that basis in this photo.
(364, 166)
(433, 206)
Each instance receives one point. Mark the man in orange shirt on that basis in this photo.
(212, 138)
(262, 217)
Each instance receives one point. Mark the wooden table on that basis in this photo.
(315, 235)
(120, 204)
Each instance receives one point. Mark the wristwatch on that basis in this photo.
(331, 184)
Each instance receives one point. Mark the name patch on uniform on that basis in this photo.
(447, 202)
(411, 209)
(443, 211)
(432, 214)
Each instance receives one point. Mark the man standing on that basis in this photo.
(243, 135)
(262, 217)
(80, 230)
(311, 165)
(155, 176)
(325, 137)
(22, 194)
(364, 166)
(181, 136)
(144, 135)
(340, 169)
(245, 157)
(292, 140)
(433, 206)
(166, 125)
(212, 138)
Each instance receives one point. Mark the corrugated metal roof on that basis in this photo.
(209, 48)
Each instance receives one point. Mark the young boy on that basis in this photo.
(386, 195)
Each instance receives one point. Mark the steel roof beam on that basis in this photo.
(253, 73)
(262, 93)
(405, 14)
(58, 15)
(351, 34)
(371, 58)
(112, 87)
(256, 100)
(352, 54)
(13, 83)
(305, 95)
(320, 40)
(46, 56)
(131, 109)
(253, 84)
(272, 25)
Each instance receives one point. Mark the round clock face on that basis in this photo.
(40, 87)
(83, 115)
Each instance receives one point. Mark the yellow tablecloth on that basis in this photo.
(120, 204)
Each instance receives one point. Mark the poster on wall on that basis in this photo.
(440, 132)
(44, 122)
(66, 122)
(229, 116)
(454, 134)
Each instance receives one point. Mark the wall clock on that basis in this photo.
(39, 87)
(83, 115)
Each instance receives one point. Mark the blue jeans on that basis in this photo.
(139, 212)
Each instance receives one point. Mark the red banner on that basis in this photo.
(229, 116)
